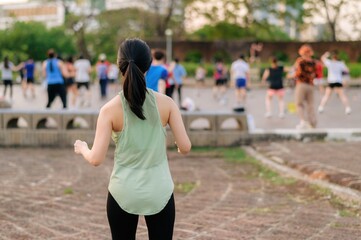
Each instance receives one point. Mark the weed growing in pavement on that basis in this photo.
(185, 187)
(239, 156)
(68, 191)
(345, 208)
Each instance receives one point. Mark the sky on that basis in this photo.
(12, 1)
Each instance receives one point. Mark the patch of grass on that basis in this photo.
(345, 208)
(347, 213)
(203, 149)
(238, 155)
(261, 210)
(185, 187)
(68, 191)
(337, 225)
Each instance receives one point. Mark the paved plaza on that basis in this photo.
(333, 117)
(55, 194)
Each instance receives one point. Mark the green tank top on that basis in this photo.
(141, 182)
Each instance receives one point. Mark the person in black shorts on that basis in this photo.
(221, 79)
(335, 79)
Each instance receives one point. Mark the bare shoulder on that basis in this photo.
(113, 112)
(163, 101)
(112, 106)
(165, 106)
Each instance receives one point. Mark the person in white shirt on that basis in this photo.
(113, 77)
(7, 69)
(82, 78)
(336, 70)
(240, 75)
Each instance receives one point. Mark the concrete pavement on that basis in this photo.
(54, 194)
(332, 118)
(227, 205)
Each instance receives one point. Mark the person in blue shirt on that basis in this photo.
(178, 75)
(53, 71)
(102, 73)
(157, 74)
(29, 68)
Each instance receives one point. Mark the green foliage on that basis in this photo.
(264, 31)
(220, 31)
(191, 68)
(194, 56)
(355, 70)
(113, 29)
(343, 56)
(228, 31)
(33, 39)
(185, 187)
(222, 55)
(68, 191)
(281, 56)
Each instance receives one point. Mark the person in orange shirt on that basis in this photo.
(305, 73)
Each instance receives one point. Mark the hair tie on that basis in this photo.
(131, 60)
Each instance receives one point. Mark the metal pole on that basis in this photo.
(169, 33)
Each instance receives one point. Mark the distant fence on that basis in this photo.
(62, 127)
(233, 48)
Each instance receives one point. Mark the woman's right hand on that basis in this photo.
(80, 146)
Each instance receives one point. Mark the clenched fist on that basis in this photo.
(80, 146)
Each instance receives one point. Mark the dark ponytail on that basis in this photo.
(6, 62)
(51, 55)
(134, 59)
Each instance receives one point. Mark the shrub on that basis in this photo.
(194, 56)
(342, 55)
(281, 56)
(355, 70)
(359, 59)
(222, 55)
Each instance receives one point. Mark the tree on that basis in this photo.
(33, 40)
(228, 31)
(250, 14)
(164, 11)
(332, 11)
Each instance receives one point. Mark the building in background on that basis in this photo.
(120, 4)
(52, 14)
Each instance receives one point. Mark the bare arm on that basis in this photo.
(161, 86)
(248, 79)
(96, 155)
(18, 67)
(63, 69)
(265, 75)
(176, 124)
(325, 56)
(43, 69)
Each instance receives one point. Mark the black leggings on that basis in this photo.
(123, 225)
(53, 91)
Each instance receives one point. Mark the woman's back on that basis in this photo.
(141, 182)
(275, 78)
(53, 72)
